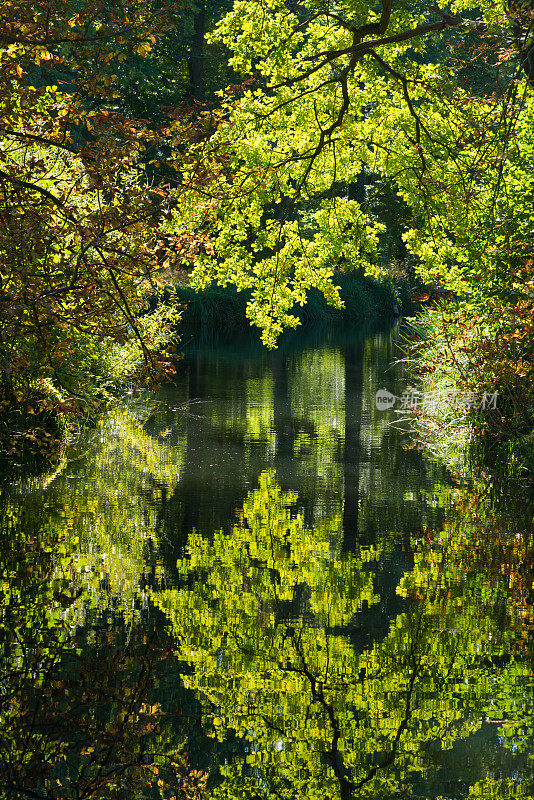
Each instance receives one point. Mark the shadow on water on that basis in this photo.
(249, 587)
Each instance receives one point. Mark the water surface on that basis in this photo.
(251, 586)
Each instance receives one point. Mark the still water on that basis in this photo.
(251, 586)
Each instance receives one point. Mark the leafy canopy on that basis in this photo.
(333, 93)
(80, 203)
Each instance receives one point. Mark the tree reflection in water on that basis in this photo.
(267, 616)
(333, 657)
(78, 718)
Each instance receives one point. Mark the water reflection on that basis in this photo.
(104, 503)
(80, 715)
(249, 588)
(278, 621)
(310, 415)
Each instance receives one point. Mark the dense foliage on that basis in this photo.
(352, 138)
(82, 193)
(433, 109)
(319, 653)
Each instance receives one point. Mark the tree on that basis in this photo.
(79, 216)
(181, 71)
(392, 90)
(437, 105)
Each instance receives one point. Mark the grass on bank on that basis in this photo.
(488, 441)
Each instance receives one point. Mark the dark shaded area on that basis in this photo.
(220, 312)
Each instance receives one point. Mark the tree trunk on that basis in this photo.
(197, 81)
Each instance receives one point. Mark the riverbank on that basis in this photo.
(32, 429)
(471, 415)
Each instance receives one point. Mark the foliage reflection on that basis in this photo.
(77, 714)
(272, 614)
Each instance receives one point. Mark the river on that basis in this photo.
(252, 585)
